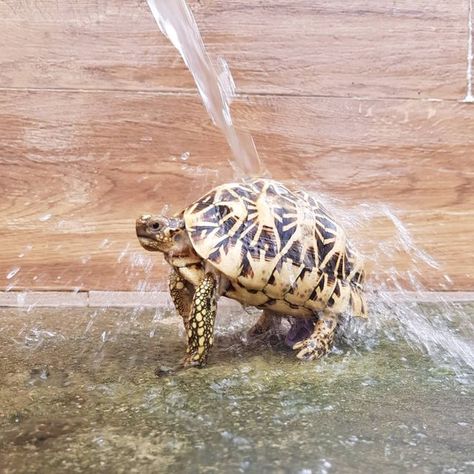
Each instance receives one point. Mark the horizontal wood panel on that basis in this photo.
(78, 168)
(399, 152)
(111, 258)
(364, 48)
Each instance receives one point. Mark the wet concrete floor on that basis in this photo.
(79, 394)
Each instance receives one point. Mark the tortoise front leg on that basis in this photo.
(200, 329)
(321, 340)
(181, 294)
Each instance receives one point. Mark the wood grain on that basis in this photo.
(110, 257)
(76, 169)
(362, 48)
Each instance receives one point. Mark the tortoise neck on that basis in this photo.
(182, 260)
(182, 253)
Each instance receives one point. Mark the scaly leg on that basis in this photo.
(321, 340)
(181, 294)
(200, 330)
(264, 323)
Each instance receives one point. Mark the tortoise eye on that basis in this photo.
(155, 226)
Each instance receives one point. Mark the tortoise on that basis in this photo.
(263, 245)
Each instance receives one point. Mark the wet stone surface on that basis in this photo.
(98, 391)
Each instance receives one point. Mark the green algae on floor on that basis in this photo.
(79, 393)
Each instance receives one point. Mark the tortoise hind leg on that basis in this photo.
(200, 330)
(182, 295)
(265, 323)
(321, 340)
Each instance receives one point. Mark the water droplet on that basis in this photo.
(105, 244)
(123, 253)
(12, 273)
(185, 156)
(45, 217)
(448, 278)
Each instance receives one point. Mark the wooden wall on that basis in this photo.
(361, 101)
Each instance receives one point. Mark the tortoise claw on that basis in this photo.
(306, 354)
(192, 361)
(309, 349)
(298, 345)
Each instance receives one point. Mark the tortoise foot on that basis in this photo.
(194, 360)
(311, 349)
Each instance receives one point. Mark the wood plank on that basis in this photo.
(399, 152)
(365, 48)
(80, 261)
(76, 169)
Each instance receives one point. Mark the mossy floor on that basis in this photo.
(79, 394)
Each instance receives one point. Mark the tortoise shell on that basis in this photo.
(276, 245)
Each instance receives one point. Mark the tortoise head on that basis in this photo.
(159, 233)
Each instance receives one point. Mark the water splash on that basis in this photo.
(394, 313)
(402, 308)
(216, 86)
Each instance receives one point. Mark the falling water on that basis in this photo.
(216, 87)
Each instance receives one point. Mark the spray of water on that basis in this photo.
(216, 86)
(401, 307)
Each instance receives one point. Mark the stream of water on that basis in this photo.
(215, 85)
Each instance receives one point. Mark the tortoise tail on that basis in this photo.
(358, 302)
(358, 279)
